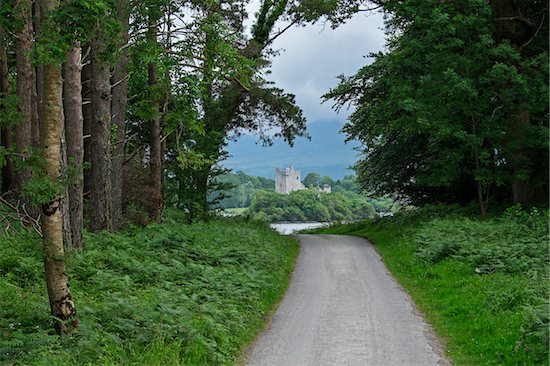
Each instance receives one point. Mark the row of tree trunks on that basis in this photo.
(61, 107)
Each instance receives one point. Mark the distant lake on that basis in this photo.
(289, 228)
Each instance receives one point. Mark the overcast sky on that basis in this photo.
(313, 56)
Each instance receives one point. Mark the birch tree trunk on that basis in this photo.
(51, 122)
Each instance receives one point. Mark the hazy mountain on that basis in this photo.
(326, 153)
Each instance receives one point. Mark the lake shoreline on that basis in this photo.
(289, 228)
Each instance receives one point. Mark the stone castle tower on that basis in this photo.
(287, 180)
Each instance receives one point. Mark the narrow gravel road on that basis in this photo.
(344, 308)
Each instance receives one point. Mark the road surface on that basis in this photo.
(343, 308)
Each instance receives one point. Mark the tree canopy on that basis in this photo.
(456, 108)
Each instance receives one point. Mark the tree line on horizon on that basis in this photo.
(261, 203)
(312, 205)
(236, 190)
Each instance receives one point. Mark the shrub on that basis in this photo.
(512, 243)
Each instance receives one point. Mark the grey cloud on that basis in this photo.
(314, 55)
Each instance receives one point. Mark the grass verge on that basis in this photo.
(237, 211)
(168, 294)
(482, 284)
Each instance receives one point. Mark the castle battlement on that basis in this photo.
(287, 180)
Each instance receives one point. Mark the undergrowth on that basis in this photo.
(483, 284)
(168, 294)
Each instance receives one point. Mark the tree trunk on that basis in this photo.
(523, 191)
(87, 116)
(481, 202)
(64, 201)
(51, 122)
(8, 172)
(35, 107)
(100, 196)
(118, 115)
(72, 90)
(155, 163)
(25, 81)
(199, 207)
(39, 84)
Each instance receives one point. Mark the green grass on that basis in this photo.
(483, 285)
(237, 210)
(168, 294)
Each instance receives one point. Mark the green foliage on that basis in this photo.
(223, 93)
(312, 180)
(311, 205)
(40, 188)
(10, 115)
(482, 284)
(76, 22)
(480, 243)
(440, 110)
(535, 329)
(166, 294)
(211, 77)
(238, 189)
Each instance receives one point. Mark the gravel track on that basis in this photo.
(343, 308)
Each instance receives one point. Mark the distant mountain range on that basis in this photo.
(326, 153)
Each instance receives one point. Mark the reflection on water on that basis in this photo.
(293, 227)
